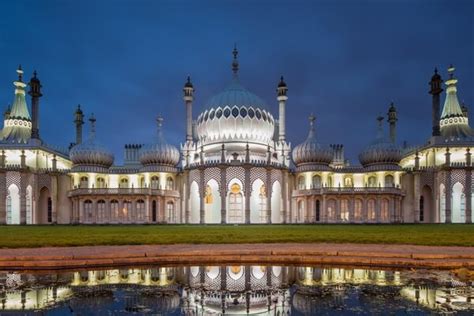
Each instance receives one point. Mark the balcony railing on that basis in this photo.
(350, 190)
(122, 191)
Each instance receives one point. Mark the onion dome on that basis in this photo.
(159, 152)
(310, 151)
(381, 151)
(17, 124)
(453, 122)
(234, 114)
(91, 153)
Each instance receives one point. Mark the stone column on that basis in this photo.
(3, 197)
(202, 193)
(378, 209)
(284, 193)
(323, 210)
(268, 184)
(364, 215)
(448, 199)
(416, 197)
(186, 197)
(247, 193)
(223, 192)
(23, 185)
(468, 194)
(351, 209)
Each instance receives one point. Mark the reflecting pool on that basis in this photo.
(236, 290)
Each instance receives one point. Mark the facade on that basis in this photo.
(236, 166)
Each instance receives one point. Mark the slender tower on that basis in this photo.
(282, 97)
(392, 120)
(188, 100)
(79, 121)
(435, 91)
(35, 93)
(465, 110)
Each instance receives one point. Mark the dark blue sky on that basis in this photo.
(126, 61)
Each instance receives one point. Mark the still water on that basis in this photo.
(236, 290)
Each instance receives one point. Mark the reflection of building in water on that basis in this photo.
(211, 290)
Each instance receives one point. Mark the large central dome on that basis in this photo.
(235, 114)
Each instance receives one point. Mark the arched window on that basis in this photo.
(316, 183)
(101, 211)
(155, 182)
(318, 211)
(235, 204)
(100, 183)
(262, 203)
(123, 183)
(87, 211)
(389, 183)
(300, 214)
(458, 204)
(372, 182)
(371, 210)
(384, 212)
(170, 212)
(442, 203)
(140, 207)
(422, 209)
(169, 183)
(331, 210)
(13, 205)
(348, 182)
(330, 183)
(114, 210)
(301, 183)
(84, 183)
(153, 211)
(357, 210)
(29, 205)
(344, 210)
(126, 210)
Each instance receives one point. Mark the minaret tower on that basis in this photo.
(35, 93)
(392, 120)
(188, 98)
(435, 91)
(79, 121)
(282, 97)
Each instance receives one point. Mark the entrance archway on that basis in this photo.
(13, 205)
(45, 209)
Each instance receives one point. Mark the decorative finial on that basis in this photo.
(92, 121)
(188, 83)
(451, 71)
(20, 73)
(159, 120)
(34, 74)
(235, 63)
(311, 118)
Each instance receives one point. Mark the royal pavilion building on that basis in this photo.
(236, 166)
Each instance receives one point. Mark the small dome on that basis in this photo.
(310, 151)
(381, 151)
(159, 152)
(91, 153)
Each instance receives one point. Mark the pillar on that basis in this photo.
(284, 192)
(435, 91)
(268, 184)
(202, 192)
(3, 197)
(449, 191)
(35, 93)
(223, 192)
(282, 97)
(188, 98)
(416, 197)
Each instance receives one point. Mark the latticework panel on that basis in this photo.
(212, 174)
(235, 173)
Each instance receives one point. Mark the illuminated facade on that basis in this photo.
(236, 166)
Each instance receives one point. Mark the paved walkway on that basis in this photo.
(407, 256)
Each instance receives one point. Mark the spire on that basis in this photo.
(453, 122)
(159, 124)
(312, 130)
(235, 62)
(35, 93)
(380, 127)
(92, 120)
(17, 127)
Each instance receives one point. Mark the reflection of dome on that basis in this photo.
(310, 151)
(381, 151)
(91, 152)
(159, 152)
(235, 114)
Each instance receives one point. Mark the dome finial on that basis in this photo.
(19, 71)
(92, 121)
(451, 70)
(235, 63)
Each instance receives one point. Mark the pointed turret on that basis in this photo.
(435, 91)
(453, 123)
(17, 127)
(188, 98)
(78, 121)
(281, 98)
(392, 120)
(35, 93)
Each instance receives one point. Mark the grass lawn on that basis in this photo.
(427, 234)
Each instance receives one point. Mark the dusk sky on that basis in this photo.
(344, 61)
